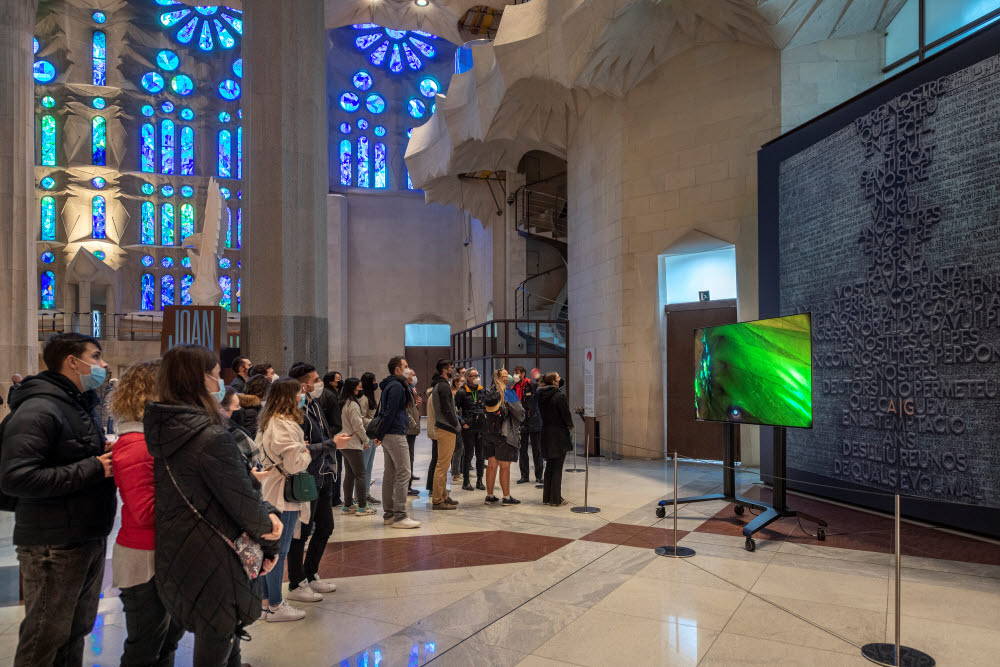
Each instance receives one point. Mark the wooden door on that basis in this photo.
(690, 438)
(424, 360)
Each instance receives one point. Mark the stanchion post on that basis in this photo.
(586, 509)
(675, 551)
(574, 468)
(895, 654)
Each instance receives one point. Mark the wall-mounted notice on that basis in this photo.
(588, 383)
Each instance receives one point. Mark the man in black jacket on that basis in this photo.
(241, 366)
(470, 406)
(53, 462)
(531, 429)
(446, 425)
(391, 436)
(329, 402)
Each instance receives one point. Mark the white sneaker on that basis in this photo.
(302, 593)
(285, 612)
(321, 586)
(406, 523)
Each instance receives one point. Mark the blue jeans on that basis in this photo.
(369, 465)
(272, 580)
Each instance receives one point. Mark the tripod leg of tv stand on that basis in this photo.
(767, 517)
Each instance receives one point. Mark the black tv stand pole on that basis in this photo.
(769, 513)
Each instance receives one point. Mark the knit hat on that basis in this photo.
(491, 399)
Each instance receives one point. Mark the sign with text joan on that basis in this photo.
(195, 325)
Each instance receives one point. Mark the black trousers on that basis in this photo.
(430, 471)
(473, 441)
(62, 588)
(216, 652)
(354, 477)
(302, 564)
(411, 442)
(531, 441)
(152, 635)
(552, 489)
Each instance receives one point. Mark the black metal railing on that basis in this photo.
(541, 214)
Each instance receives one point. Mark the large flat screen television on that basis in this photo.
(755, 372)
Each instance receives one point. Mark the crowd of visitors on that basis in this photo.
(224, 489)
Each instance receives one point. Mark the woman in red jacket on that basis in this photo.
(152, 636)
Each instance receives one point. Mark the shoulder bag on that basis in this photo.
(300, 487)
(250, 554)
(375, 424)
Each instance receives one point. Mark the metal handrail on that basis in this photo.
(525, 301)
(540, 211)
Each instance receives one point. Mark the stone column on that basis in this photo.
(18, 215)
(284, 102)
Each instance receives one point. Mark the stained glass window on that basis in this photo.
(147, 232)
(428, 87)
(238, 67)
(168, 60)
(167, 147)
(396, 62)
(48, 102)
(362, 124)
(167, 262)
(409, 181)
(47, 183)
(98, 103)
(187, 191)
(229, 90)
(148, 110)
(225, 263)
(239, 227)
(48, 258)
(381, 180)
(187, 114)
(98, 217)
(100, 58)
(239, 152)
(229, 227)
(187, 221)
(43, 71)
(345, 128)
(362, 80)
(48, 218)
(147, 295)
(166, 224)
(239, 288)
(166, 291)
(375, 103)
(147, 260)
(98, 138)
(167, 190)
(363, 162)
(345, 162)
(147, 151)
(48, 289)
(186, 281)
(99, 17)
(350, 102)
(226, 284)
(225, 153)
(187, 151)
(152, 82)
(99, 254)
(147, 189)
(411, 58)
(416, 108)
(98, 182)
(48, 141)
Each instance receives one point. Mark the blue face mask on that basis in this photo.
(95, 379)
(302, 401)
(219, 395)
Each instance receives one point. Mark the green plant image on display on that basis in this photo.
(755, 372)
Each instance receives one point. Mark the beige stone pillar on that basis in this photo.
(18, 217)
(284, 104)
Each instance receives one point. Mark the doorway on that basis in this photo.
(423, 360)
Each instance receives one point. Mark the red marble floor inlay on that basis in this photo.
(434, 552)
(634, 536)
(854, 529)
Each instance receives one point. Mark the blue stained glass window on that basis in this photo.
(375, 103)
(187, 221)
(167, 190)
(206, 11)
(187, 151)
(364, 42)
(99, 254)
(48, 183)
(48, 124)
(395, 34)
(147, 231)
(187, 190)
(379, 131)
(229, 227)
(225, 153)
(187, 114)
(99, 17)
(363, 162)
(43, 71)
(411, 58)
(48, 258)
(423, 47)
(168, 60)
(99, 213)
(238, 67)
(98, 103)
(147, 293)
(186, 281)
(147, 152)
(34, 45)
(167, 107)
(345, 162)
(428, 87)
(378, 55)
(166, 224)
(147, 189)
(152, 82)
(48, 102)
(345, 128)
(225, 193)
(235, 22)
(416, 108)
(226, 39)
(239, 288)
(48, 218)
(224, 117)
(396, 62)
(225, 263)
(350, 102)
(362, 80)
(182, 84)
(365, 26)
(47, 282)
(167, 262)
(229, 89)
(409, 181)
(239, 152)
(239, 227)
(226, 284)
(381, 179)
(167, 147)
(98, 140)
(170, 19)
(205, 42)
(362, 124)
(100, 55)
(147, 110)
(166, 291)
(186, 262)
(98, 182)
(147, 260)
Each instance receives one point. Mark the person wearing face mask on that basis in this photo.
(531, 428)
(469, 400)
(329, 403)
(413, 412)
(265, 369)
(355, 488)
(54, 466)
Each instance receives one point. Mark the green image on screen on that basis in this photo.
(755, 372)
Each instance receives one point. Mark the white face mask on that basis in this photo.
(413, 380)
(274, 378)
(317, 390)
(517, 378)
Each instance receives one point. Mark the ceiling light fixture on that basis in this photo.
(421, 3)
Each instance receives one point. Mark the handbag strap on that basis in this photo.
(195, 509)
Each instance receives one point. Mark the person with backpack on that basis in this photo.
(504, 414)
(368, 405)
(469, 400)
(55, 474)
(389, 431)
(531, 428)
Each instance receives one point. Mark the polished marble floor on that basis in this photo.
(540, 586)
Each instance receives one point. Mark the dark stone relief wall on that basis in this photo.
(890, 235)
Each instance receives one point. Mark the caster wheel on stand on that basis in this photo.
(750, 545)
(739, 509)
(661, 512)
(821, 534)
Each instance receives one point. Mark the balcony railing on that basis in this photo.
(115, 326)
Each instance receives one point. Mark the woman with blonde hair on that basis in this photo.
(501, 435)
(151, 634)
(284, 452)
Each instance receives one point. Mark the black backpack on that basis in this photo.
(7, 503)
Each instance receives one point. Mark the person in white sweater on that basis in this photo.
(354, 424)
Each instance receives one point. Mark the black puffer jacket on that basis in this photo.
(556, 422)
(246, 416)
(198, 576)
(50, 444)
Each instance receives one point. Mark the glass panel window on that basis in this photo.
(147, 151)
(48, 141)
(239, 227)
(147, 292)
(225, 154)
(427, 335)
(363, 162)
(943, 17)
(187, 151)
(186, 283)
(48, 218)
(167, 224)
(187, 221)
(47, 282)
(239, 152)
(98, 138)
(147, 232)
(345, 162)
(167, 147)
(100, 58)
(226, 285)
(166, 291)
(229, 227)
(99, 217)
(903, 33)
(381, 180)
